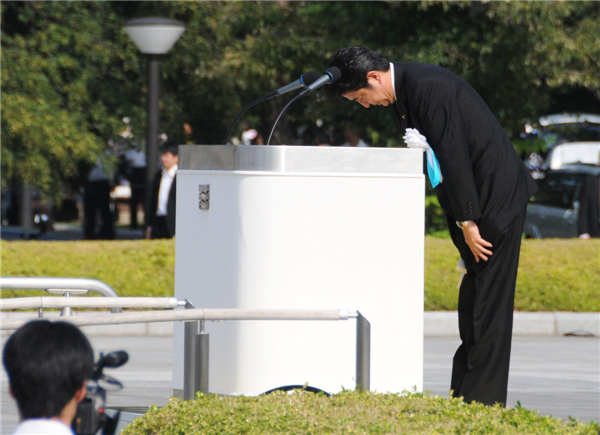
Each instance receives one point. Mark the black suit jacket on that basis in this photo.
(484, 179)
(151, 213)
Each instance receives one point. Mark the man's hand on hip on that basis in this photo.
(477, 244)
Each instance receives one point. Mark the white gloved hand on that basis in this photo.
(414, 139)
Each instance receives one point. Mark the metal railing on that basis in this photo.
(51, 302)
(65, 286)
(196, 341)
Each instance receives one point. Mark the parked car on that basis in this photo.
(574, 152)
(566, 138)
(554, 210)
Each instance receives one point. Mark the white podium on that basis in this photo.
(291, 227)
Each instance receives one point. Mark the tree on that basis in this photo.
(70, 74)
(66, 85)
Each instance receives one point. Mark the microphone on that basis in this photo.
(329, 76)
(303, 82)
(110, 360)
(115, 359)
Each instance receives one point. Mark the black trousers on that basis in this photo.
(136, 181)
(485, 316)
(160, 230)
(97, 199)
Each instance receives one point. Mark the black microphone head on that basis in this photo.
(310, 77)
(116, 359)
(334, 72)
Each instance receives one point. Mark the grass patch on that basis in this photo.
(346, 413)
(130, 267)
(554, 274)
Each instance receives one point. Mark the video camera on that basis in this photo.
(90, 417)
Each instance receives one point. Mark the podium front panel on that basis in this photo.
(286, 227)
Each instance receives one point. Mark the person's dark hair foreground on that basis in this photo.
(47, 363)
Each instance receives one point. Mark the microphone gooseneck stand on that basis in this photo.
(329, 76)
(300, 95)
(252, 104)
(305, 80)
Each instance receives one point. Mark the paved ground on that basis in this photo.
(558, 376)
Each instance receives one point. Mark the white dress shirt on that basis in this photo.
(42, 426)
(393, 80)
(165, 187)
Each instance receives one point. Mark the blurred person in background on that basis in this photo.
(160, 221)
(96, 200)
(187, 133)
(136, 175)
(322, 137)
(352, 136)
(589, 208)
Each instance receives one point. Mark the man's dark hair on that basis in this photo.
(169, 146)
(47, 362)
(355, 63)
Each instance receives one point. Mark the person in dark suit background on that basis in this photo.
(160, 223)
(589, 208)
(484, 191)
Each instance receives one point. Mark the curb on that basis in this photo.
(436, 324)
(555, 324)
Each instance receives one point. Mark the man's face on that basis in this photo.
(169, 160)
(375, 94)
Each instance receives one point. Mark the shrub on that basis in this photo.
(346, 413)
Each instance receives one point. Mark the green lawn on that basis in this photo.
(554, 275)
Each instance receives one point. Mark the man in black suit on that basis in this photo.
(484, 192)
(161, 213)
(589, 208)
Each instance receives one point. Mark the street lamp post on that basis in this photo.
(154, 37)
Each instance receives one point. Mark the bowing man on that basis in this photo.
(481, 184)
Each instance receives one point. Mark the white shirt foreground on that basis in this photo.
(42, 426)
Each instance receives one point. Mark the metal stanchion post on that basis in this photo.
(189, 345)
(363, 353)
(201, 360)
(67, 311)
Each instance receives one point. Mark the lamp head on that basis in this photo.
(154, 35)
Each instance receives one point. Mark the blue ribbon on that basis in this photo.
(433, 168)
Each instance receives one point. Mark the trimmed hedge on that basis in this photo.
(346, 413)
(554, 274)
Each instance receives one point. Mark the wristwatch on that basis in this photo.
(462, 224)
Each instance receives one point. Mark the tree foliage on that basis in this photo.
(70, 74)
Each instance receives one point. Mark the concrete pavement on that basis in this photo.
(557, 376)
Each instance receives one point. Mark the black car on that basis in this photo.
(554, 210)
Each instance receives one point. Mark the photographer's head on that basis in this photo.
(48, 364)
